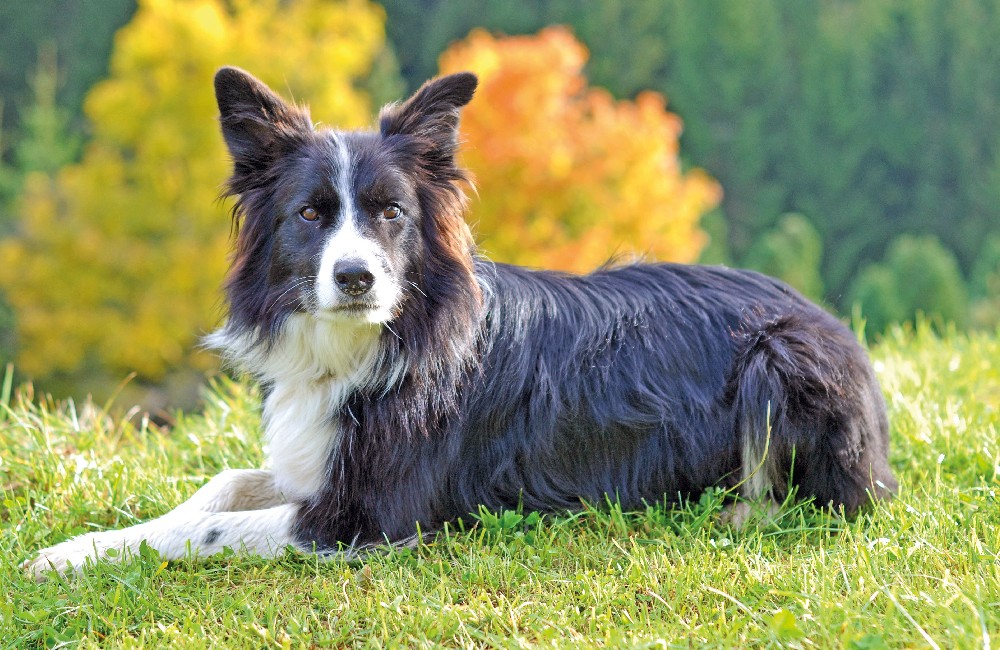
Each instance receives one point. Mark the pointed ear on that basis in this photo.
(432, 113)
(256, 123)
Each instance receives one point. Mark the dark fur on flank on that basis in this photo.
(496, 385)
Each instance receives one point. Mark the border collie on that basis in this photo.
(408, 381)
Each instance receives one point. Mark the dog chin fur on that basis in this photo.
(407, 381)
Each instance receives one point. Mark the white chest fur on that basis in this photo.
(301, 431)
(312, 367)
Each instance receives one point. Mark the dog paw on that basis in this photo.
(70, 556)
(737, 515)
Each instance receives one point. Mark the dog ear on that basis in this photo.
(432, 113)
(256, 123)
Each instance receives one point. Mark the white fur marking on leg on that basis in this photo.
(236, 489)
(755, 486)
(262, 532)
(755, 471)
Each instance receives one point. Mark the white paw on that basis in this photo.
(70, 556)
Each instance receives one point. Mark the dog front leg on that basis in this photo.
(263, 532)
(236, 489)
(239, 509)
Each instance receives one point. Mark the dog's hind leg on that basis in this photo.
(808, 413)
(757, 473)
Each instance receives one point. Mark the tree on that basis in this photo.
(985, 285)
(918, 276)
(614, 31)
(792, 251)
(568, 177)
(80, 30)
(44, 143)
(44, 146)
(879, 116)
(118, 259)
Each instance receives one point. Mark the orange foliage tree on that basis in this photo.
(118, 259)
(567, 177)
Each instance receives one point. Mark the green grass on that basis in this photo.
(920, 571)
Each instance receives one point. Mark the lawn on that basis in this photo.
(922, 571)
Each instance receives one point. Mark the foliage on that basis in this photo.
(626, 37)
(44, 146)
(985, 285)
(566, 176)
(45, 142)
(118, 259)
(924, 567)
(872, 118)
(81, 31)
(792, 251)
(918, 276)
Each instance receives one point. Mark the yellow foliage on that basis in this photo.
(568, 177)
(118, 260)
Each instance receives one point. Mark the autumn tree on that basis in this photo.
(568, 177)
(117, 260)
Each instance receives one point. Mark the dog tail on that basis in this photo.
(808, 412)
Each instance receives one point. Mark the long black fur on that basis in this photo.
(640, 383)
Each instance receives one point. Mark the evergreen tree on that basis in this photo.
(919, 276)
(45, 143)
(44, 146)
(792, 251)
(81, 30)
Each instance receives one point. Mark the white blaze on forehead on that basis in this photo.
(347, 242)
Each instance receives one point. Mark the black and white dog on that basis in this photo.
(408, 381)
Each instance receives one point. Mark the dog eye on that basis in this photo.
(391, 211)
(309, 214)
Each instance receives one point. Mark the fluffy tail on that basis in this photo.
(809, 413)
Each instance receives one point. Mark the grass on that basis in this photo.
(922, 571)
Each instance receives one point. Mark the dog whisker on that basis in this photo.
(389, 327)
(415, 286)
(294, 286)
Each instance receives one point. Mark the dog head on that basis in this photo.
(344, 226)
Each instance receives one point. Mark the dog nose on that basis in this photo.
(353, 277)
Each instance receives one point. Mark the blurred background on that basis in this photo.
(851, 148)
